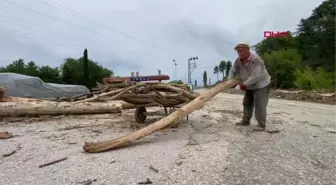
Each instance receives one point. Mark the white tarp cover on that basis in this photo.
(29, 86)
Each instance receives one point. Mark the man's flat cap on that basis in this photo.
(243, 45)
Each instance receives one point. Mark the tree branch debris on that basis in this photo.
(53, 162)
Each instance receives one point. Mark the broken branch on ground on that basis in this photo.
(53, 162)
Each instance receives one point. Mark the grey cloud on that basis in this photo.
(12, 49)
(202, 36)
(183, 28)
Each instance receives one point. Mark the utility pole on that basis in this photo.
(174, 68)
(175, 64)
(191, 67)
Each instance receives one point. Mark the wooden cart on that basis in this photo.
(143, 100)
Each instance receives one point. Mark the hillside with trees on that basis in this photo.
(306, 58)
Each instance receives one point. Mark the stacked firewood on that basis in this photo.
(150, 93)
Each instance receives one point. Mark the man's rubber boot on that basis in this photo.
(243, 123)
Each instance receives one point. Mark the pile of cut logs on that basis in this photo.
(100, 102)
(141, 94)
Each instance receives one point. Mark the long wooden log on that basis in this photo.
(175, 117)
(124, 104)
(19, 99)
(57, 108)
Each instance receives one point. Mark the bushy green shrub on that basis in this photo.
(281, 66)
(176, 82)
(313, 80)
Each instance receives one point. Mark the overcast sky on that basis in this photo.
(141, 35)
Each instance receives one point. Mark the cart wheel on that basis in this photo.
(139, 115)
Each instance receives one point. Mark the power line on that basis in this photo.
(31, 25)
(55, 18)
(78, 15)
(37, 27)
(36, 37)
(52, 17)
(46, 15)
(66, 9)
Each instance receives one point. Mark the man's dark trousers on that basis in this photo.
(258, 99)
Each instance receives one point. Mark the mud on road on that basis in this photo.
(208, 149)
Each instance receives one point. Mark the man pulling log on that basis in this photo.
(255, 82)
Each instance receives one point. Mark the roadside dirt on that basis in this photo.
(325, 97)
(208, 149)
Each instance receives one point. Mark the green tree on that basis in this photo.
(49, 75)
(222, 67)
(46, 73)
(32, 69)
(281, 65)
(87, 80)
(216, 71)
(70, 72)
(3, 70)
(205, 79)
(316, 37)
(275, 44)
(73, 72)
(228, 68)
(18, 66)
(309, 79)
(97, 72)
(176, 82)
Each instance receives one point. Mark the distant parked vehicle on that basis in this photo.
(33, 87)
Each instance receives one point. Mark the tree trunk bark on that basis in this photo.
(157, 86)
(2, 92)
(170, 120)
(124, 104)
(57, 108)
(19, 99)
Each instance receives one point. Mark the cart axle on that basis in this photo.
(141, 113)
